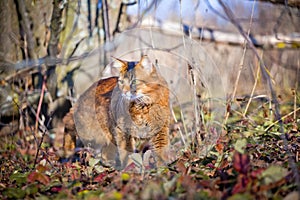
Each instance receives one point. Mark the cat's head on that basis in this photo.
(137, 79)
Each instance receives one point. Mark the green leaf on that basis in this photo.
(20, 178)
(117, 195)
(273, 174)
(15, 193)
(53, 183)
(240, 145)
(44, 197)
(88, 194)
(32, 189)
(241, 196)
(93, 161)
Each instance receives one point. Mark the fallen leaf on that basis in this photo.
(15, 193)
(37, 176)
(93, 161)
(241, 162)
(56, 189)
(20, 178)
(100, 178)
(219, 147)
(240, 145)
(241, 185)
(241, 196)
(273, 174)
(257, 173)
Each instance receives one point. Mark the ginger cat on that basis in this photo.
(115, 112)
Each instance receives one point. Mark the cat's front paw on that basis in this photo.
(154, 159)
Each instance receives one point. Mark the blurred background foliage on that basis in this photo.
(49, 42)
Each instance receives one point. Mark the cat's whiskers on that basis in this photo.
(142, 99)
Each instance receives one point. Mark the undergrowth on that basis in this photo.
(252, 159)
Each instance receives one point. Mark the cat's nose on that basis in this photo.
(127, 94)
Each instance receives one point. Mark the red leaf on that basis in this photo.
(39, 177)
(241, 185)
(210, 165)
(130, 167)
(32, 177)
(75, 175)
(41, 168)
(219, 147)
(100, 177)
(56, 189)
(181, 167)
(257, 173)
(241, 162)
(187, 182)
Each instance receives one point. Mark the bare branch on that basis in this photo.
(278, 41)
(105, 18)
(291, 3)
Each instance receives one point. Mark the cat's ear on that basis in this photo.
(146, 64)
(121, 65)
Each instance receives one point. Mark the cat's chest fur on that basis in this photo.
(139, 118)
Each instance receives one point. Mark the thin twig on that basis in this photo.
(89, 18)
(45, 130)
(145, 11)
(179, 129)
(283, 117)
(253, 89)
(195, 104)
(289, 3)
(241, 63)
(40, 104)
(295, 93)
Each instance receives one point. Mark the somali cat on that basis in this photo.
(116, 112)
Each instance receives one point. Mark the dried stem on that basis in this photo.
(40, 104)
(253, 89)
(295, 93)
(241, 64)
(283, 117)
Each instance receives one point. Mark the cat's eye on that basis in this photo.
(121, 82)
(134, 81)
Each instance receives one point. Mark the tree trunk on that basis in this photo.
(9, 52)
